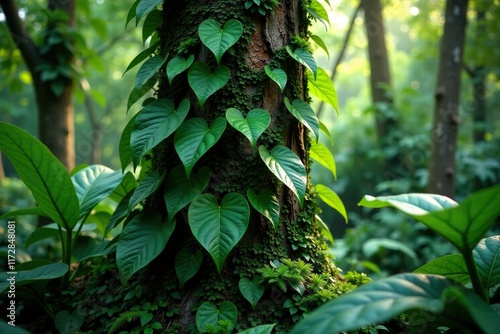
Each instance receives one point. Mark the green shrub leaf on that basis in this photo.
(144, 7)
(322, 87)
(277, 75)
(252, 290)
(151, 23)
(302, 111)
(41, 273)
(320, 153)
(450, 266)
(177, 65)
(148, 70)
(219, 40)
(209, 314)
(332, 199)
(187, 264)
(261, 329)
(204, 82)
(218, 228)
(487, 257)
(266, 204)
(148, 185)
(305, 58)
(252, 126)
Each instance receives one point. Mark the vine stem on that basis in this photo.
(67, 256)
(477, 285)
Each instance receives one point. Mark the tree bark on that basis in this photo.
(446, 117)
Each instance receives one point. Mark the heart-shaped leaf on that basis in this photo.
(287, 167)
(148, 185)
(155, 123)
(219, 40)
(450, 266)
(321, 44)
(151, 23)
(318, 12)
(180, 191)
(252, 126)
(187, 264)
(261, 329)
(252, 290)
(209, 314)
(218, 228)
(144, 7)
(487, 257)
(302, 111)
(194, 138)
(305, 58)
(148, 70)
(277, 75)
(68, 323)
(40, 273)
(322, 87)
(332, 199)
(204, 83)
(266, 204)
(177, 65)
(320, 153)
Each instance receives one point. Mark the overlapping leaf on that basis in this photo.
(451, 266)
(41, 273)
(151, 23)
(209, 314)
(487, 257)
(252, 126)
(148, 185)
(144, 7)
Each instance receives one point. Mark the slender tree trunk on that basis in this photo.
(446, 117)
(2, 170)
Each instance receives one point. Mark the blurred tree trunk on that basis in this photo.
(446, 117)
(2, 171)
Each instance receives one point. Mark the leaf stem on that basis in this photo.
(67, 256)
(477, 285)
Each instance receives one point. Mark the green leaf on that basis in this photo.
(317, 11)
(376, 302)
(148, 70)
(142, 240)
(321, 44)
(119, 214)
(209, 314)
(179, 190)
(277, 75)
(302, 111)
(332, 199)
(145, 318)
(252, 290)
(261, 329)
(141, 56)
(41, 273)
(205, 83)
(36, 211)
(128, 183)
(177, 65)
(287, 167)
(187, 264)
(218, 228)
(144, 7)
(86, 247)
(305, 58)
(6, 328)
(325, 130)
(131, 13)
(125, 149)
(252, 126)
(219, 40)
(67, 323)
(137, 93)
(373, 245)
(322, 87)
(487, 257)
(266, 204)
(450, 266)
(148, 185)
(41, 233)
(411, 204)
(194, 138)
(156, 122)
(151, 23)
(42, 173)
(320, 153)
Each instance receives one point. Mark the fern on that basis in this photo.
(124, 318)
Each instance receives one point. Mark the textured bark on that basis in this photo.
(446, 117)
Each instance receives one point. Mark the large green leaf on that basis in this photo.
(42, 173)
(219, 40)
(155, 123)
(148, 185)
(141, 56)
(209, 314)
(376, 302)
(487, 257)
(411, 204)
(151, 23)
(322, 87)
(52, 231)
(177, 65)
(142, 240)
(218, 228)
(148, 70)
(252, 126)
(451, 266)
(179, 190)
(287, 167)
(261, 329)
(277, 75)
(194, 138)
(302, 111)
(266, 204)
(305, 58)
(144, 7)
(320, 153)
(41, 273)
(187, 264)
(332, 199)
(373, 245)
(252, 290)
(204, 82)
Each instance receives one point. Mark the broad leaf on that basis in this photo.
(305, 58)
(373, 245)
(218, 228)
(67, 323)
(252, 290)
(288, 168)
(209, 314)
(321, 44)
(332, 199)
(266, 204)
(487, 257)
(252, 126)
(141, 56)
(42, 173)
(219, 40)
(144, 7)
(302, 111)
(137, 93)
(194, 138)
(277, 75)
(450, 266)
(261, 329)
(322, 87)
(411, 204)
(179, 190)
(177, 65)
(148, 185)
(39, 234)
(187, 264)
(320, 153)
(151, 23)
(156, 122)
(204, 82)
(41, 273)
(148, 70)
(317, 11)
(142, 240)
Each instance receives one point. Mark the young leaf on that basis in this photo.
(266, 204)
(151, 23)
(252, 126)
(177, 65)
(42, 173)
(136, 94)
(318, 12)
(144, 7)
(332, 199)
(321, 44)
(209, 314)
(194, 138)
(322, 87)
(305, 58)
(218, 228)
(204, 83)
(187, 264)
(148, 185)
(141, 56)
(302, 111)
(450, 266)
(325, 130)
(320, 153)
(148, 70)
(219, 40)
(41, 273)
(261, 329)
(252, 290)
(277, 75)
(287, 167)
(487, 257)
(154, 123)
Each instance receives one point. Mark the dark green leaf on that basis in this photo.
(187, 264)
(68, 323)
(252, 290)
(252, 126)
(144, 7)
(178, 65)
(305, 58)
(148, 70)
(487, 257)
(205, 83)
(141, 56)
(266, 204)
(261, 329)
(151, 23)
(124, 147)
(209, 314)
(41, 273)
(136, 94)
(302, 111)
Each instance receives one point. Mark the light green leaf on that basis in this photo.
(179, 190)
(151, 23)
(373, 245)
(305, 58)
(487, 257)
(148, 185)
(194, 138)
(218, 228)
(252, 126)
(266, 204)
(252, 290)
(144, 7)
(142, 240)
(411, 204)
(325, 230)
(141, 56)
(450, 266)
(219, 40)
(205, 83)
(137, 93)
(320, 153)
(187, 264)
(156, 122)
(287, 167)
(261, 329)
(42, 173)
(322, 87)
(209, 314)
(321, 44)
(332, 199)
(302, 111)
(177, 65)
(148, 70)
(277, 75)
(325, 130)
(317, 11)
(41, 273)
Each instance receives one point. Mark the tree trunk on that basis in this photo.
(446, 117)
(2, 170)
